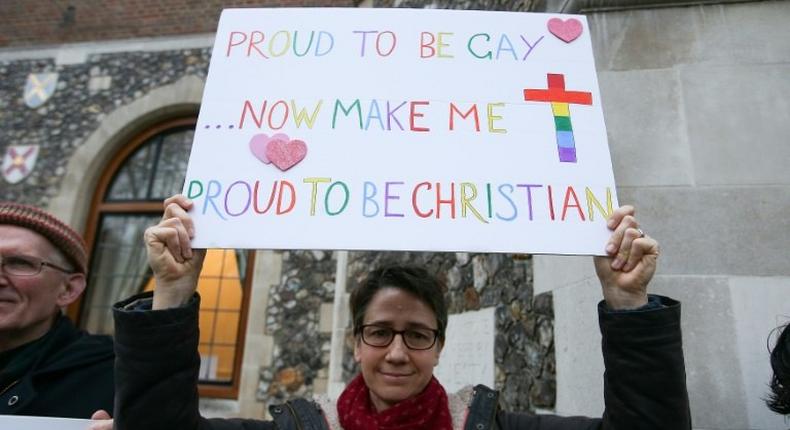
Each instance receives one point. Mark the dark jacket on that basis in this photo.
(72, 376)
(157, 366)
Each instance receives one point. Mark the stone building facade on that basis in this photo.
(692, 95)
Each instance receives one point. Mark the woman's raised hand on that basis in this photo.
(175, 264)
(630, 264)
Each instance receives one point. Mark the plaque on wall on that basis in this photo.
(18, 162)
(39, 88)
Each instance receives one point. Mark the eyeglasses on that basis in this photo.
(415, 338)
(24, 265)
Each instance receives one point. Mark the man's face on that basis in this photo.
(28, 304)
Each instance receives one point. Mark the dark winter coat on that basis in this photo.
(157, 366)
(72, 376)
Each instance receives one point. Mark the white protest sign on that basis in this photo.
(401, 129)
(42, 423)
(468, 354)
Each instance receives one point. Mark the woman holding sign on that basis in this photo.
(399, 319)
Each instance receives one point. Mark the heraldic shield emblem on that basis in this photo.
(39, 88)
(18, 162)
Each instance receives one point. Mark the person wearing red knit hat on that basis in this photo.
(48, 367)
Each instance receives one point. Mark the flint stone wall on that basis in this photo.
(301, 350)
(84, 95)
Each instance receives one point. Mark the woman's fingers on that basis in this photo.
(177, 207)
(101, 414)
(101, 421)
(179, 200)
(625, 249)
(170, 235)
(179, 237)
(625, 220)
(640, 248)
(617, 216)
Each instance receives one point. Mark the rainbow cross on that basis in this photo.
(560, 99)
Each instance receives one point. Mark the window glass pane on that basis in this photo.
(132, 180)
(118, 267)
(172, 166)
(227, 327)
(225, 355)
(221, 295)
(216, 363)
(207, 321)
(221, 291)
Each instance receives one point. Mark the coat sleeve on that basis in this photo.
(645, 377)
(644, 380)
(156, 370)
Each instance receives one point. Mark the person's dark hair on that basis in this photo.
(414, 280)
(779, 399)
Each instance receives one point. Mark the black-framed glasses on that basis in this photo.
(25, 265)
(414, 338)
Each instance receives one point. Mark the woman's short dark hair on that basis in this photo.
(779, 399)
(414, 280)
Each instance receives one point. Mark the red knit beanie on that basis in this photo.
(68, 241)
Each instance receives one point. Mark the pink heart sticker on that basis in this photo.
(259, 142)
(567, 30)
(284, 153)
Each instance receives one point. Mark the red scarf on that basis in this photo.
(429, 410)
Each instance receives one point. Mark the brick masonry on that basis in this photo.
(26, 22)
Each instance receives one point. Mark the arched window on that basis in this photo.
(128, 199)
